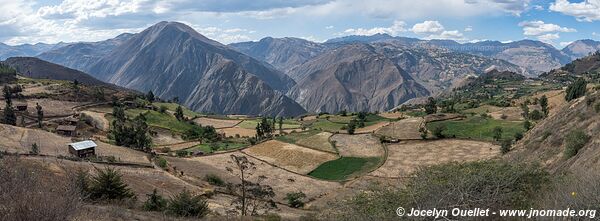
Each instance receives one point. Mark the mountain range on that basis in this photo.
(289, 76)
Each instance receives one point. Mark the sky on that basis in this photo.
(557, 22)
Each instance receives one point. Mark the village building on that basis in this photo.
(66, 130)
(83, 149)
(72, 121)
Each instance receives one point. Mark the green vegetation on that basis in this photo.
(295, 199)
(251, 124)
(297, 136)
(187, 205)
(487, 184)
(576, 89)
(217, 146)
(323, 124)
(215, 180)
(344, 168)
(155, 202)
(477, 127)
(157, 119)
(173, 107)
(130, 133)
(107, 184)
(574, 141)
(161, 162)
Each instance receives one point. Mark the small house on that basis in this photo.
(21, 106)
(66, 130)
(83, 149)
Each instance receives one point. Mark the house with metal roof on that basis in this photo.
(83, 149)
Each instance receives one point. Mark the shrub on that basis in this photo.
(295, 199)
(576, 89)
(34, 149)
(505, 146)
(536, 115)
(518, 136)
(162, 109)
(161, 162)
(574, 141)
(187, 205)
(503, 116)
(527, 125)
(108, 184)
(182, 153)
(155, 202)
(438, 131)
(213, 179)
(497, 133)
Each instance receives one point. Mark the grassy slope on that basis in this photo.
(478, 128)
(344, 168)
(157, 119)
(287, 124)
(173, 107)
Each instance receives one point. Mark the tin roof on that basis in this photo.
(86, 144)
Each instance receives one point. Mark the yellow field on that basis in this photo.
(406, 129)
(289, 156)
(361, 145)
(318, 141)
(216, 123)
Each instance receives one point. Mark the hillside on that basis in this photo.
(173, 60)
(354, 78)
(283, 53)
(26, 50)
(581, 48)
(38, 69)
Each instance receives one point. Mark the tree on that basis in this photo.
(497, 133)
(155, 202)
(7, 95)
(527, 125)
(536, 115)
(150, 96)
(438, 131)
(119, 113)
(252, 196)
(430, 106)
(544, 104)
(10, 117)
(505, 146)
(162, 109)
(187, 205)
(280, 125)
(525, 110)
(576, 89)
(179, 113)
(108, 184)
(34, 149)
(351, 126)
(40, 114)
(295, 199)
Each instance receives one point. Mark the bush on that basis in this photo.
(518, 136)
(505, 146)
(108, 184)
(182, 153)
(574, 141)
(527, 125)
(161, 162)
(155, 202)
(295, 199)
(187, 205)
(438, 131)
(215, 180)
(576, 89)
(536, 115)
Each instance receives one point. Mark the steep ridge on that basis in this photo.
(40, 69)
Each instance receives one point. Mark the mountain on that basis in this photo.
(82, 55)
(28, 50)
(355, 78)
(39, 69)
(581, 48)
(370, 39)
(283, 53)
(173, 60)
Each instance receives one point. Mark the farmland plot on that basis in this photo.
(216, 123)
(360, 145)
(406, 129)
(289, 156)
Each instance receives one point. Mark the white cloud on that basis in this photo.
(534, 28)
(395, 29)
(468, 29)
(587, 10)
(565, 43)
(548, 38)
(329, 27)
(435, 30)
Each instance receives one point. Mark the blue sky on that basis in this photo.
(557, 22)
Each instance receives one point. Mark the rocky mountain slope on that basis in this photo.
(82, 55)
(354, 78)
(173, 60)
(26, 50)
(39, 69)
(283, 53)
(581, 48)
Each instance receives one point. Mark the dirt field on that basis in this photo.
(31, 89)
(370, 129)
(289, 156)
(280, 180)
(216, 123)
(318, 141)
(50, 107)
(392, 115)
(511, 113)
(403, 129)
(405, 157)
(179, 146)
(243, 132)
(19, 140)
(440, 117)
(360, 145)
(165, 137)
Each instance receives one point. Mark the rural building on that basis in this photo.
(21, 106)
(71, 121)
(66, 130)
(83, 149)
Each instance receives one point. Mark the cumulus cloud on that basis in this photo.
(395, 29)
(435, 30)
(587, 10)
(468, 29)
(548, 38)
(533, 28)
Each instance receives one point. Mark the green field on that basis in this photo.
(287, 124)
(344, 168)
(157, 119)
(222, 146)
(173, 106)
(323, 124)
(478, 128)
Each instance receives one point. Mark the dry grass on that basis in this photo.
(440, 117)
(289, 156)
(96, 119)
(51, 107)
(242, 132)
(318, 141)
(280, 180)
(405, 157)
(392, 115)
(216, 123)
(371, 128)
(406, 129)
(361, 145)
